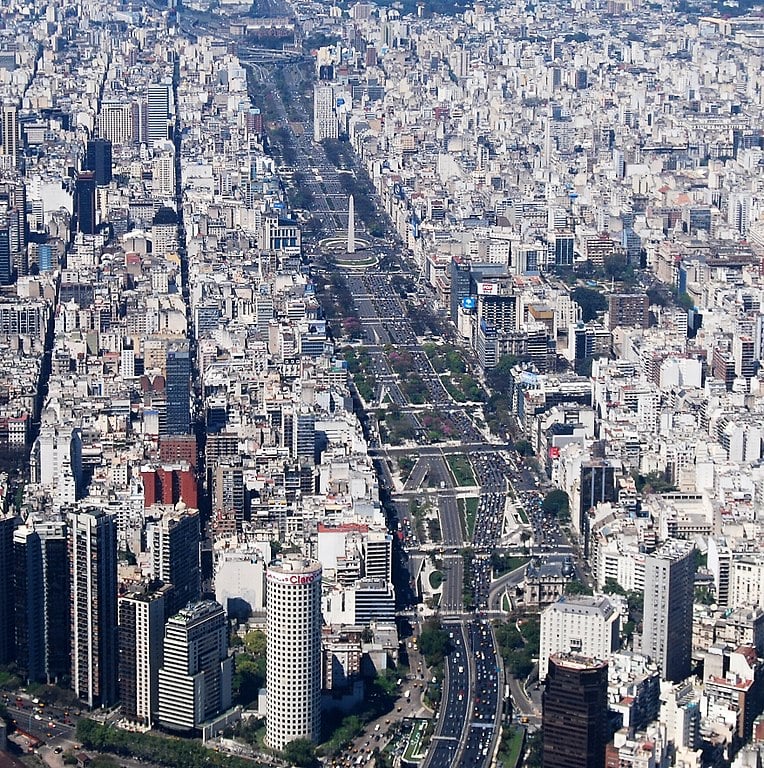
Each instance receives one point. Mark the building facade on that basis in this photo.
(293, 674)
(667, 624)
(582, 624)
(196, 672)
(575, 712)
(93, 583)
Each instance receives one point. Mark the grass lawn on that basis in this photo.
(511, 746)
(461, 469)
(470, 510)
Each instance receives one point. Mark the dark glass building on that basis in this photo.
(7, 525)
(178, 390)
(575, 713)
(85, 202)
(98, 160)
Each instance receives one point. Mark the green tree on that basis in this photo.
(301, 752)
(433, 642)
(577, 587)
(523, 448)
(556, 503)
(255, 642)
(591, 302)
(248, 678)
(612, 587)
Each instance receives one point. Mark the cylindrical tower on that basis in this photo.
(293, 672)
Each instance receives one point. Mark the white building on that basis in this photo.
(667, 626)
(584, 625)
(196, 673)
(747, 581)
(325, 122)
(293, 673)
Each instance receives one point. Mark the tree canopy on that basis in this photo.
(591, 302)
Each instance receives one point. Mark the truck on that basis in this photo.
(407, 695)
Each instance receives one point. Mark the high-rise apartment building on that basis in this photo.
(293, 675)
(30, 606)
(7, 561)
(141, 631)
(628, 310)
(667, 621)
(178, 389)
(325, 122)
(196, 672)
(93, 562)
(575, 722)
(56, 598)
(581, 624)
(174, 542)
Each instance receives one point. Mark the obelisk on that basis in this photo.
(351, 225)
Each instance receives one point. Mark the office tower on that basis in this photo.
(98, 160)
(175, 556)
(597, 485)
(293, 674)
(583, 625)
(163, 172)
(574, 712)
(11, 134)
(460, 283)
(7, 560)
(93, 562)
(115, 122)
(56, 598)
(304, 437)
(667, 623)
(85, 203)
(29, 594)
(378, 555)
(45, 257)
(178, 389)
(325, 122)
(196, 672)
(157, 113)
(141, 629)
(6, 257)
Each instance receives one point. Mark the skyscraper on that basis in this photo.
(93, 559)
(575, 723)
(29, 592)
(667, 621)
(7, 525)
(11, 134)
(98, 160)
(178, 389)
(157, 113)
(293, 674)
(175, 556)
(141, 629)
(84, 202)
(325, 122)
(56, 598)
(196, 672)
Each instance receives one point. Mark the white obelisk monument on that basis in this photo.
(351, 225)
